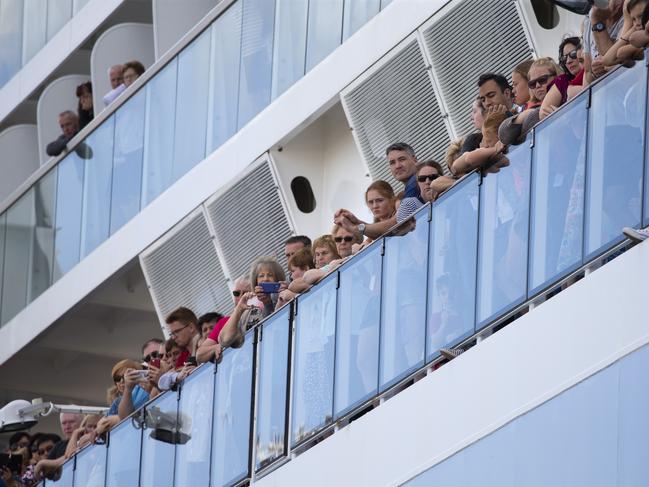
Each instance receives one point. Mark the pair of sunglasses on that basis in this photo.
(572, 55)
(346, 239)
(429, 177)
(152, 355)
(540, 81)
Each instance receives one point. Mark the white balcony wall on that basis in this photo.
(173, 19)
(19, 149)
(119, 44)
(59, 96)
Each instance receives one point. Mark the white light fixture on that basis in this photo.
(20, 414)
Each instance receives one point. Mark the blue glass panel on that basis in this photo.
(67, 476)
(19, 234)
(633, 435)
(357, 14)
(191, 109)
(58, 14)
(453, 261)
(42, 252)
(79, 4)
(69, 192)
(232, 415)
(290, 44)
(616, 138)
(256, 58)
(195, 417)
(95, 218)
(502, 254)
(385, 3)
(11, 30)
(224, 77)
(557, 206)
(157, 465)
(159, 132)
(403, 307)
(123, 463)
(272, 389)
(313, 368)
(90, 469)
(127, 162)
(35, 28)
(357, 330)
(324, 30)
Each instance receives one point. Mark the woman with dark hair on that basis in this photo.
(85, 109)
(571, 60)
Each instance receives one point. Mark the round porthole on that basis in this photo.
(303, 194)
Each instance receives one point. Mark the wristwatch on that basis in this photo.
(361, 228)
(598, 27)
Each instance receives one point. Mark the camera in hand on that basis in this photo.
(270, 287)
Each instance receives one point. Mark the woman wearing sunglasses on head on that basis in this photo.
(568, 84)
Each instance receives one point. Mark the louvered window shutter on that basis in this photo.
(183, 269)
(250, 221)
(394, 101)
(459, 55)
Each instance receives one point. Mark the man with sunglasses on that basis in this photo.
(403, 164)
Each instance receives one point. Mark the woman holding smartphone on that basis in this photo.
(269, 279)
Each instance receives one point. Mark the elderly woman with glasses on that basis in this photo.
(344, 240)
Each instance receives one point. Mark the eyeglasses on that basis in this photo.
(118, 378)
(540, 81)
(152, 355)
(346, 239)
(572, 55)
(429, 177)
(174, 333)
(236, 293)
(46, 450)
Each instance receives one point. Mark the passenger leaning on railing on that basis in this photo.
(402, 162)
(624, 51)
(299, 263)
(568, 84)
(382, 202)
(269, 280)
(427, 173)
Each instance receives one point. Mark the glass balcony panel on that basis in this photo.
(313, 369)
(11, 33)
(127, 162)
(67, 476)
(232, 415)
(69, 194)
(357, 14)
(19, 237)
(58, 14)
(557, 206)
(324, 30)
(191, 109)
(224, 77)
(290, 44)
(357, 330)
(159, 133)
(453, 266)
(256, 58)
(95, 218)
(3, 227)
(272, 389)
(646, 190)
(157, 464)
(42, 250)
(35, 28)
(385, 3)
(616, 140)
(195, 420)
(403, 306)
(123, 464)
(90, 469)
(503, 241)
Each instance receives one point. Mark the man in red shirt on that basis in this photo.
(183, 328)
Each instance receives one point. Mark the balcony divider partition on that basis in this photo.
(456, 267)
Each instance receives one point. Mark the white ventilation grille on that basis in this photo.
(395, 102)
(475, 37)
(182, 269)
(249, 221)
